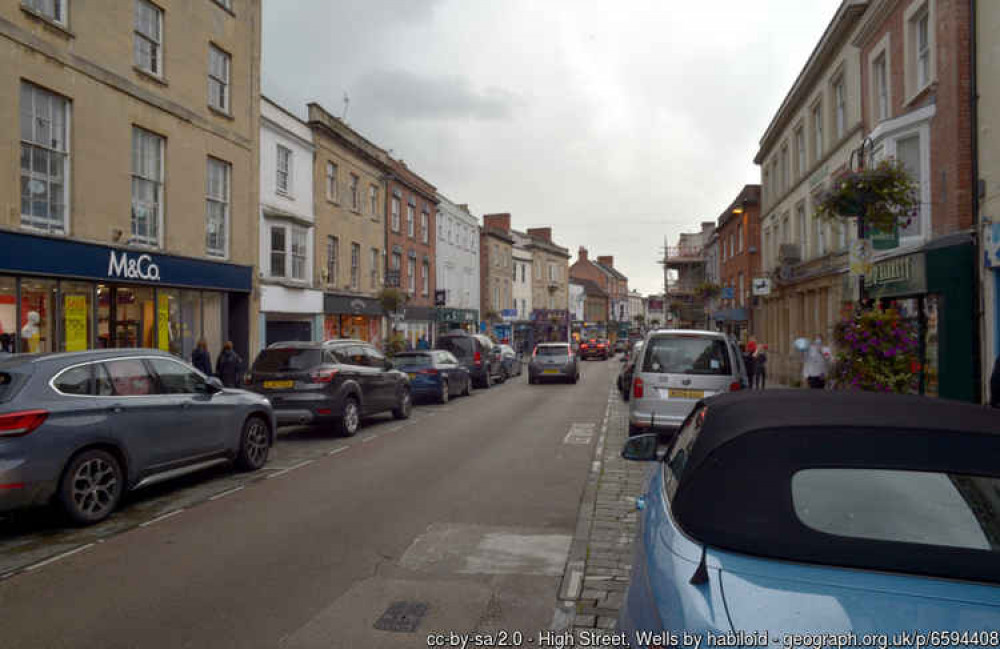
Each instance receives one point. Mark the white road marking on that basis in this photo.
(161, 518)
(58, 557)
(291, 468)
(579, 433)
(226, 493)
(365, 440)
(339, 449)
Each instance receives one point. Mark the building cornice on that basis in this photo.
(878, 12)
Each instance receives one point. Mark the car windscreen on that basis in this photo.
(686, 355)
(288, 359)
(412, 360)
(461, 347)
(553, 350)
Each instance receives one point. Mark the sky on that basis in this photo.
(617, 124)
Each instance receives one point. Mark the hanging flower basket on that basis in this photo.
(708, 290)
(884, 197)
(877, 352)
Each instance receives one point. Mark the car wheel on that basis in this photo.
(405, 407)
(504, 374)
(576, 377)
(91, 487)
(468, 387)
(444, 396)
(350, 420)
(488, 381)
(531, 380)
(255, 444)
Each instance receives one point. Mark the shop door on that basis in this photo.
(282, 331)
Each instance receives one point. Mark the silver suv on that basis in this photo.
(675, 369)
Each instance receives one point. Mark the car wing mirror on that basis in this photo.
(642, 448)
(214, 384)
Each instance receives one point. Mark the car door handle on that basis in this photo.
(117, 407)
(186, 405)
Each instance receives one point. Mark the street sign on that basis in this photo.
(727, 293)
(761, 286)
(440, 298)
(860, 257)
(884, 240)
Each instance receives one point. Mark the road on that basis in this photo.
(462, 517)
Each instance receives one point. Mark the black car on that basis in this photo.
(329, 383)
(594, 348)
(510, 361)
(477, 354)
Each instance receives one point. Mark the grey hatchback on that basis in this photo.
(82, 428)
(553, 361)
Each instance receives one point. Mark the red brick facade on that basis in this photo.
(410, 196)
(739, 245)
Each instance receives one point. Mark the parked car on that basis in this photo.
(510, 361)
(436, 374)
(82, 428)
(627, 370)
(333, 383)
(476, 353)
(594, 348)
(815, 512)
(553, 361)
(677, 368)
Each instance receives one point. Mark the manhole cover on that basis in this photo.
(402, 617)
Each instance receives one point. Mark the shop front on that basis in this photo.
(290, 313)
(934, 289)
(417, 323)
(63, 295)
(456, 319)
(355, 317)
(551, 325)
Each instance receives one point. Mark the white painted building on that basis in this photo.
(636, 307)
(291, 308)
(457, 265)
(577, 302)
(523, 266)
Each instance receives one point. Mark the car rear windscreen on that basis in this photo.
(461, 347)
(687, 355)
(412, 360)
(288, 359)
(559, 350)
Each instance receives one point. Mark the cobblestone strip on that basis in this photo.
(606, 528)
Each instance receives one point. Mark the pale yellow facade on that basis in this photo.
(549, 293)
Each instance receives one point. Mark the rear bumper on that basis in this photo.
(311, 411)
(17, 491)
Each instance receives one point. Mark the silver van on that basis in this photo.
(675, 369)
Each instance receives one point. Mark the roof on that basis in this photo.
(610, 271)
(753, 443)
(590, 287)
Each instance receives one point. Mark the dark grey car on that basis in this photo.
(82, 428)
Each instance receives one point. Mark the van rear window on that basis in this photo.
(554, 350)
(288, 359)
(461, 347)
(687, 355)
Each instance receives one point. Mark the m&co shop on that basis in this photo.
(63, 295)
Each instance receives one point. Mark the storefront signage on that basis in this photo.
(121, 266)
(75, 322)
(896, 277)
(30, 254)
(761, 286)
(457, 315)
(727, 293)
(343, 304)
(440, 298)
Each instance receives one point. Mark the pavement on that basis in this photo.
(463, 519)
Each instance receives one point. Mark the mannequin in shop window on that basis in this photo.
(31, 333)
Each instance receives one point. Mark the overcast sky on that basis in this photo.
(618, 124)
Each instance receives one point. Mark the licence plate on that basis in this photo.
(550, 371)
(685, 394)
(412, 376)
(278, 385)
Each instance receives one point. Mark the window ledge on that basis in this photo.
(217, 256)
(920, 94)
(221, 113)
(225, 8)
(284, 194)
(149, 75)
(354, 211)
(333, 201)
(35, 229)
(61, 29)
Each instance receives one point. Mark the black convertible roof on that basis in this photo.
(734, 490)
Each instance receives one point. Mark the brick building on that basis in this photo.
(738, 236)
(409, 242)
(916, 89)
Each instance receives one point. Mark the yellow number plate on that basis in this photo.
(550, 371)
(412, 376)
(685, 394)
(278, 385)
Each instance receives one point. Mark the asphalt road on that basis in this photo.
(461, 517)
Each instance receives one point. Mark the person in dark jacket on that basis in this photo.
(760, 367)
(201, 359)
(995, 384)
(229, 366)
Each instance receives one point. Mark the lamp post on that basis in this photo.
(862, 152)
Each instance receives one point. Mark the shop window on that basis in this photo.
(126, 317)
(8, 314)
(77, 316)
(190, 324)
(908, 153)
(212, 323)
(37, 315)
(170, 322)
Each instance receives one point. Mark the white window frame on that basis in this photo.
(881, 86)
(410, 218)
(218, 80)
(290, 257)
(355, 193)
(395, 213)
(298, 257)
(142, 176)
(425, 279)
(332, 193)
(800, 151)
(819, 140)
(373, 200)
(286, 171)
(840, 106)
(332, 260)
(424, 227)
(32, 144)
(889, 147)
(912, 17)
(155, 41)
(55, 10)
(411, 272)
(355, 265)
(217, 199)
(271, 251)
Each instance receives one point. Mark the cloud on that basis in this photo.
(405, 95)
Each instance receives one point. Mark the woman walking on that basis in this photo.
(201, 359)
(760, 368)
(229, 366)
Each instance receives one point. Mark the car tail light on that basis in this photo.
(637, 388)
(430, 371)
(478, 359)
(18, 424)
(322, 376)
(534, 352)
(735, 386)
(583, 346)
(248, 379)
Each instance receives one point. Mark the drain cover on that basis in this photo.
(402, 617)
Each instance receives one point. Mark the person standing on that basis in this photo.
(422, 343)
(749, 359)
(201, 359)
(760, 368)
(229, 366)
(814, 369)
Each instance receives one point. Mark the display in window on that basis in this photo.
(931, 308)
(75, 322)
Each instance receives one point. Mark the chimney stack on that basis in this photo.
(497, 221)
(606, 261)
(545, 234)
(583, 254)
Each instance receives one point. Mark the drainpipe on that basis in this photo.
(979, 342)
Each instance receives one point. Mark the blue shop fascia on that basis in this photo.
(58, 294)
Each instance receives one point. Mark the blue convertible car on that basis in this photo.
(817, 518)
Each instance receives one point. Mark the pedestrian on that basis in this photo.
(422, 343)
(229, 366)
(201, 359)
(760, 367)
(748, 360)
(995, 384)
(814, 369)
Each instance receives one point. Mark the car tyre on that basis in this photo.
(576, 377)
(405, 407)
(350, 420)
(91, 487)
(255, 444)
(468, 387)
(444, 396)
(532, 380)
